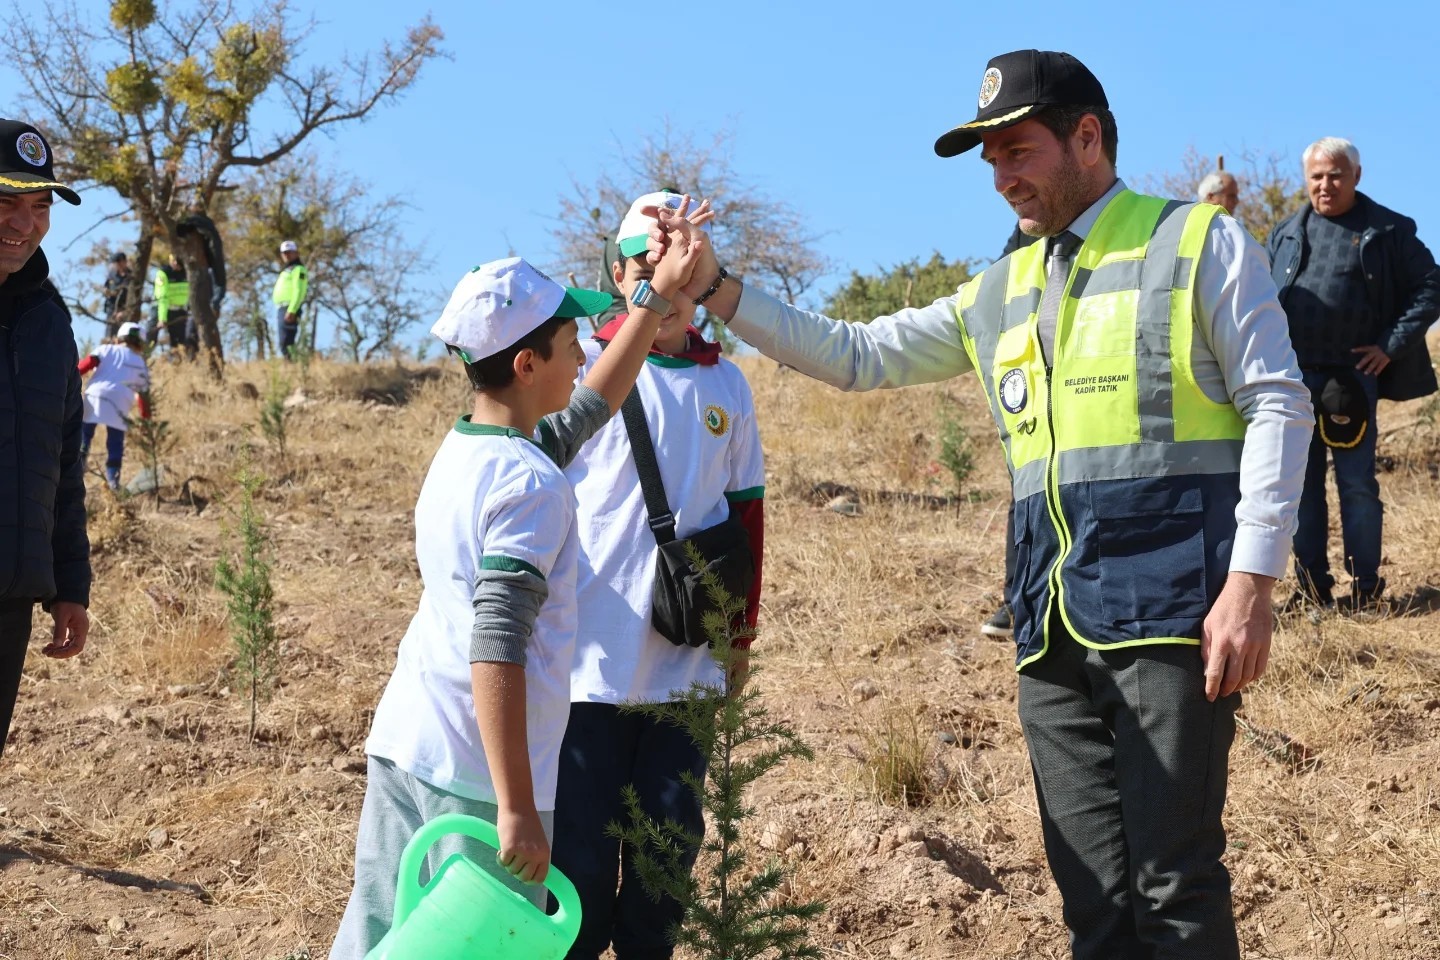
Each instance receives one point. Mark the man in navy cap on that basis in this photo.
(1139, 369)
(44, 550)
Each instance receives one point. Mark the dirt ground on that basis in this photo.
(137, 820)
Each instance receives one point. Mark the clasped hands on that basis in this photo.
(683, 225)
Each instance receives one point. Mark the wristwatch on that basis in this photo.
(645, 296)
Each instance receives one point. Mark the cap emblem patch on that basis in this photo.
(31, 149)
(989, 87)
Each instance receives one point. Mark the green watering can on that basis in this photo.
(464, 913)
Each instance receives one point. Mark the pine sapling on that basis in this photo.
(250, 599)
(956, 454)
(731, 911)
(151, 435)
(273, 412)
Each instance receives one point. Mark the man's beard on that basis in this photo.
(1067, 197)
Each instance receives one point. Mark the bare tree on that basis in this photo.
(754, 235)
(362, 268)
(161, 108)
(1270, 186)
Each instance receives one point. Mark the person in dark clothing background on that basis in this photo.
(116, 293)
(1360, 290)
(44, 549)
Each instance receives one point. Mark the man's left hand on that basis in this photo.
(292, 318)
(72, 625)
(1372, 360)
(1235, 640)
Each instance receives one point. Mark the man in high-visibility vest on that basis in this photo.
(172, 308)
(1140, 374)
(289, 296)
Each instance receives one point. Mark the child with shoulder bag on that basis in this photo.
(689, 445)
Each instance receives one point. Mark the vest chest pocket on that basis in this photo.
(1017, 399)
(1151, 539)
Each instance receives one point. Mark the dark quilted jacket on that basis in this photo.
(44, 549)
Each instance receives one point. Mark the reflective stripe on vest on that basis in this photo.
(1121, 410)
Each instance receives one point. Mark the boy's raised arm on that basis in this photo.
(614, 373)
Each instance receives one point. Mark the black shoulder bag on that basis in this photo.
(679, 598)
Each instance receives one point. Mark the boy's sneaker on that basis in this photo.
(1000, 623)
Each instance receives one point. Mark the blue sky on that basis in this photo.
(834, 107)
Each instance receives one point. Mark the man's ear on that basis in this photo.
(1087, 140)
(524, 366)
(1357, 175)
(617, 272)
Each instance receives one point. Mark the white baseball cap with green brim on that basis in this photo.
(635, 228)
(497, 303)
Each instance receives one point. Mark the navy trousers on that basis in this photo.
(114, 450)
(289, 332)
(604, 750)
(1361, 513)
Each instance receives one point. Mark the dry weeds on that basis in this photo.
(135, 818)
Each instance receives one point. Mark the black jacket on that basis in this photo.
(44, 549)
(1401, 279)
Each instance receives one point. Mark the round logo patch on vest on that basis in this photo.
(717, 421)
(1014, 391)
(989, 87)
(32, 149)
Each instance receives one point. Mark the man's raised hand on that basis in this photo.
(686, 223)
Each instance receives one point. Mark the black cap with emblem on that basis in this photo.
(1015, 86)
(27, 162)
(1343, 410)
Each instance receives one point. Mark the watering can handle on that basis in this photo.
(408, 890)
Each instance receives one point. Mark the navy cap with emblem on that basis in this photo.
(1017, 85)
(27, 162)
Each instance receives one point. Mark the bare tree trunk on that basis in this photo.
(262, 334)
(139, 270)
(202, 311)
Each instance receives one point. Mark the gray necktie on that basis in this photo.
(1062, 249)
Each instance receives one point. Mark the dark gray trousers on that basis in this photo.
(15, 618)
(1130, 765)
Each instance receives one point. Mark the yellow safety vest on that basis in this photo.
(172, 293)
(1125, 471)
(291, 287)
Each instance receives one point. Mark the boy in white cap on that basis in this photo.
(701, 419)
(120, 380)
(289, 296)
(472, 718)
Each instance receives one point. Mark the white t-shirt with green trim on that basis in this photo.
(702, 424)
(492, 499)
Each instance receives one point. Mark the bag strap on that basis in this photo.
(657, 505)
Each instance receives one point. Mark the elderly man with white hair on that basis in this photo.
(1360, 290)
(1220, 187)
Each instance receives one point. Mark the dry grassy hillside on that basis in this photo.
(136, 820)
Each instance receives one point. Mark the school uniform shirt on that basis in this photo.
(493, 499)
(702, 423)
(117, 376)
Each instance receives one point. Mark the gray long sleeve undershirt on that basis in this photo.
(563, 434)
(506, 604)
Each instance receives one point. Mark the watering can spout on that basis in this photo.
(464, 912)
